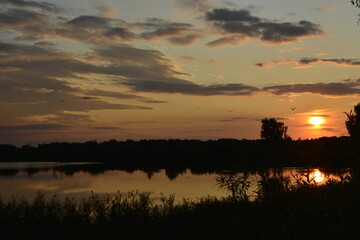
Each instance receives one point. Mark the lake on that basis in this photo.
(80, 179)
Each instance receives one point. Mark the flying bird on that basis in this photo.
(292, 108)
(85, 97)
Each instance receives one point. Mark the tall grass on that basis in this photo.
(279, 211)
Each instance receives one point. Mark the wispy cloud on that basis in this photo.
(233, 119)
(345, 88)
(36, 75)
(327, 9)
(106, 128)
(305, 61)
(320, 115)
(32, 127)
(32, 4)
(194, 5)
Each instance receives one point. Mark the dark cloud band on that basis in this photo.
(346, 62)
(50, 7)
(241, 24)
(345, 88)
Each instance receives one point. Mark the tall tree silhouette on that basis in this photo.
(273, 130)
(356, 3)
(353, 122)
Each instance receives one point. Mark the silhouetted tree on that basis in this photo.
(356, 3)
(273, 130)
(353, 122)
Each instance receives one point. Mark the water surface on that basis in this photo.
(81, 179)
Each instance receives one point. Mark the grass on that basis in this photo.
(280, 211)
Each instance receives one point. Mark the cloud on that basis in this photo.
(37, 127)
(137, 69)
(119, 33)
(91, 22)
(24, 38)
(164, 32)
(22, 19)
(105, 10)
(234, 26)
(194, 5)
(197, 60)
(320, 115)
(138, 122)
(101, 30)
(106, 128)
(276, 118)
(230, 4)
(9, 50)
(329, 129)
(44, 44)
(234, 40)
(233, 119)
(50, 7)
(227, 15)
(344, 62)
(281, 118)
(97, 30)
(153, 101)
(113, 94)
(31, 74)
(327, 9)
(176, 33)
(189, 58)
(190, 88)
(158, 74)
(184, 40)
(345, 88)
(63, 118)
(159, 23)
(242, 24)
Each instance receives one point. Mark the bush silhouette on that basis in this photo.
(353, 122)
(273, 130)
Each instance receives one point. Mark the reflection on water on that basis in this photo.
(317, 176)
(78, 180)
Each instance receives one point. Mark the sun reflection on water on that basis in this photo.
(317, 176)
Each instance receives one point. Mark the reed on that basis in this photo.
(279, 210)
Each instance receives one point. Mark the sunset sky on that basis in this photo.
(200, 69)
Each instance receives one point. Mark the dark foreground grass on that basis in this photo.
(280, 211)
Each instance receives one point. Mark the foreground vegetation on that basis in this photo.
(279, 210)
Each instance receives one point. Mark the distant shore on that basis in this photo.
(176, 153)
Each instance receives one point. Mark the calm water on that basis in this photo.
(80, 179)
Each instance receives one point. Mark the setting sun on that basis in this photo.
(316, 121)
